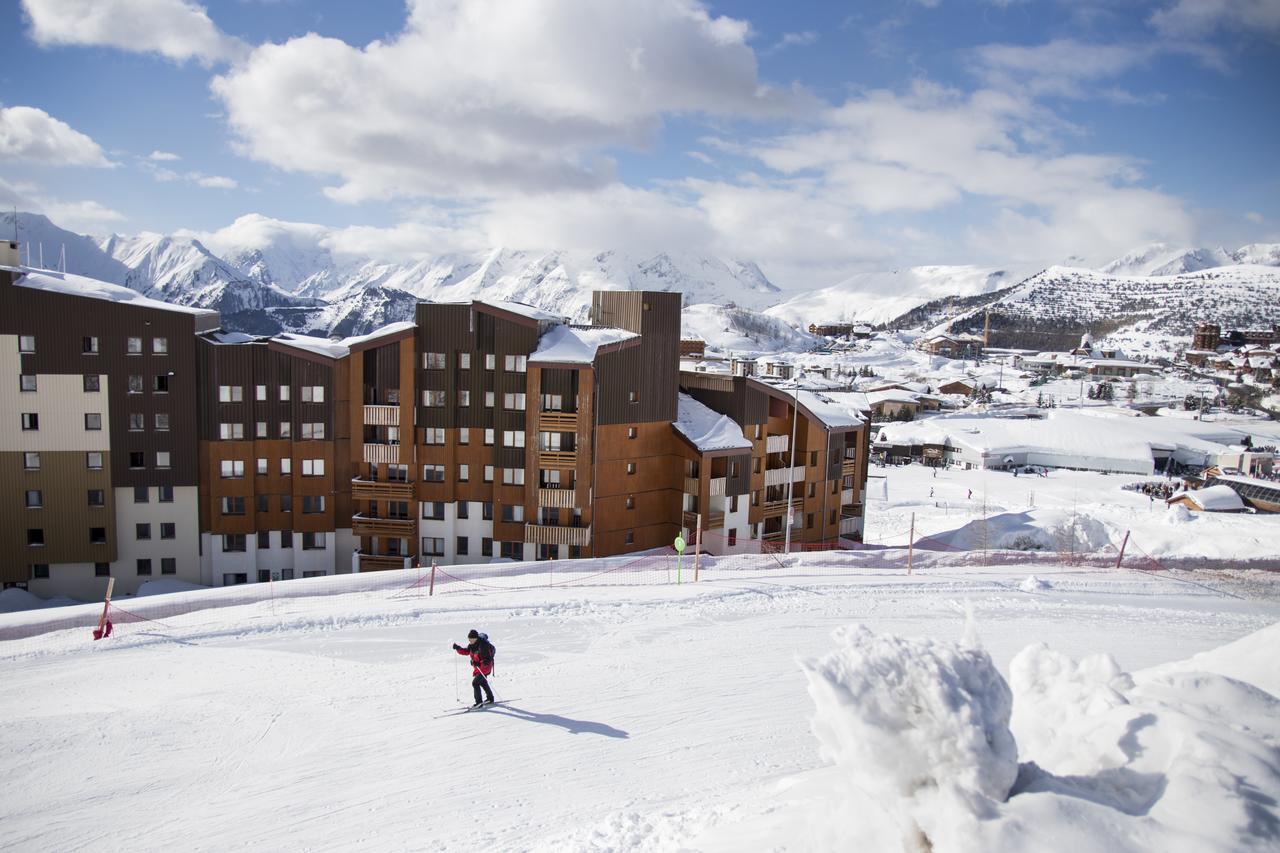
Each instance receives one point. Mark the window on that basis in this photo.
(464, 398)
(631, 467)
(133, 346)
(264, 504)
(490, 361)
(513, 402)
(168, 530)
(630, 538)
(97, 536)
(812, 489)
(488, 399)
(432, 546)
(631, 432)
(312, 542)
(512, 438)
(92, 383)
(463, 546)
(512, 513)
(35, 537)
(141, 495)
(264, 540)
(230, 393)
(433, 360)
(137, 422)
(286, 538)
(312, 504)
(633, 396)
(162, 421)
(102, 570)
(433, 473)
(89, 345)
(234, 543)
(397, 473)
(808, 521)
(263, 467)
(31, 461)
(168, 565)
(486, 511)
(162, 459)
(164, 494)
(232, 506)
(161, 384)
(733, 536)
(552, 403)
(26, 382)
(39, 571)
(313, 393)
(232, 468)
(286, 465)
(512, 550)
(513, 476)
(284, 392)
(259, 429)
(135, 384)
(463, 509)
(313, 430)
(486, 546)
(488, 473)
(464, 435)
(733, 503)
(733, 469)
(313, 467)
(35, 499)
(488, 438)
(142, 531)
(433, 399)
(286, 503)
(92, 460)
(464, 473)
(813, 458)
(757, 465)
(97, 497)
(26, 343)
(160, 346)
(286, 429)
(433, 435)
(515, 363)
(432, 510)
(631, 501)
(464, 361)
(234, 578)
(30, 421)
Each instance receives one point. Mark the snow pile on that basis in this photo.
(15, 600)
(707, 429)
(920, 725)
(1214, 498)
(567, 345)
(1033, 584)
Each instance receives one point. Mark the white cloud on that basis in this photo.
(801, 39)
(1255, 217)
(1198, 19)
(216, 182)
(1061, 67)
(84, 216)
(176, 29)
(162, 156)
(164, 174)
(32, 135)
(484, 97)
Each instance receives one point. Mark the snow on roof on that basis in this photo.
(567, 345)
(389, 329)
(892, 395)
(1214, 498)
(831, 412)
(1248, 481)
(319, 346)
(706, 428)
(78, 285)
(853, 400)
(524, 310)
(221, 337)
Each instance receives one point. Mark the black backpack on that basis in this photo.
(487, 649)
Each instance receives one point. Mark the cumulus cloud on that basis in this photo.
(1061, 67)
(216, 182)
(1198, 19)
(163, 156)
(32, 135)
(800, 39)
(176, 29)
(484, 97)
(84, 216)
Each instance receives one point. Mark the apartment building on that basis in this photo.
(149, 442)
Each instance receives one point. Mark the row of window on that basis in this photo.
(264, 575)
(31, 421)
(510, 476)
(233, 469)
(238, 543)
(512, 402)
(28, 382)
(510, 363)
(235, 393)
(143, 566)
(433, 546)
(98, 497)
(311, 430)
(90, 345)
(35, 536)
(93, 460)
(311, 504)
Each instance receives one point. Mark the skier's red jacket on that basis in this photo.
(481, 658)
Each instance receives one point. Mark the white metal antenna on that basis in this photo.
(41, 255)
(62, 259)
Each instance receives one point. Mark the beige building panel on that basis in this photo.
(59, 400)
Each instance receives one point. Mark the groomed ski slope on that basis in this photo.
(658, 718)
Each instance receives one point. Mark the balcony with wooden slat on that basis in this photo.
(689, 521)
(558, 421)
(846, 497)
(717, 486)
(399, 528)
(557, 458)
(381, 490)
(382, 416)
(557, 498)
(780, 476)
(382, 454)
(381, 562)
(691, 485)
(777, 444)
(849, 467)
(772, 508)
(550, 534)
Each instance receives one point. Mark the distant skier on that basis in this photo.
(970, 495)
(931, 493)
(481, 652)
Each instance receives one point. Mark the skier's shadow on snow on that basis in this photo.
(570, 725)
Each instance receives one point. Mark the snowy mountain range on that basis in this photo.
(266, 275)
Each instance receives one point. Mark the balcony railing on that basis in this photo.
(398, 528)
(714, 521)
(717, 486)
(772, 508)
(777, 443)
(848, 467)
(558, 458)
(846, 496)
(382, 454)
(557, 498)
(780, 476)
(381, 490)
(850, 525)
(550, 534)
(691, 485)
(382, 562)
(382, 415)
(558, 421)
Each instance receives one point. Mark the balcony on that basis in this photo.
(557, 498)
(557, 458)
(781, 476)
(691, 485)
(849, 526)
(689, 521)
(717, 487)
(382, 416)
(381, 490)
(395, 528)
(774, 508)
(846, 497)
(849, 468)
(550, 534)
(382, 562)
(558, 421)
(382, 454)
(777, 444)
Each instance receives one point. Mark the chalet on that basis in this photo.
(951, 346)
(692, 348)
(1210, 499)
(959, 386)
(1116, 367)
(833, 330)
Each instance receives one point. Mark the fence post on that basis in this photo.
(911, 543)
(697, 549)
(432, 589)
(1123, 543)
(106, 605)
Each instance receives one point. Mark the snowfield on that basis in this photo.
(824, 706)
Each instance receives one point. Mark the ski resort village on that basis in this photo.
(640, 425)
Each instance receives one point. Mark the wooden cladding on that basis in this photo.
(557, 498)
(549, 534)
(396, 528)
(381, 490)
(382, 454)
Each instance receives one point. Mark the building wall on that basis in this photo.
(183, 512)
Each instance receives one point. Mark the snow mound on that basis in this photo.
(1033, 584)
(920, 725)
(15, 600)
(1178, 514)
(164, 586)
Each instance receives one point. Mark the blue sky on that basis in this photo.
(819, 139)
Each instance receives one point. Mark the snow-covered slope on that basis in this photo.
(1164, 259)
(41, 239)
(740, 330)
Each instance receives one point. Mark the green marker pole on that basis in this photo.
(679, 546)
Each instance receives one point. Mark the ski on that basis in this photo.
(469, 708)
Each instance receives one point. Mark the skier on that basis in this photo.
(481, 652)
(970, 495)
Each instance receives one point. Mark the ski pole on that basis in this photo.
(457, 694)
